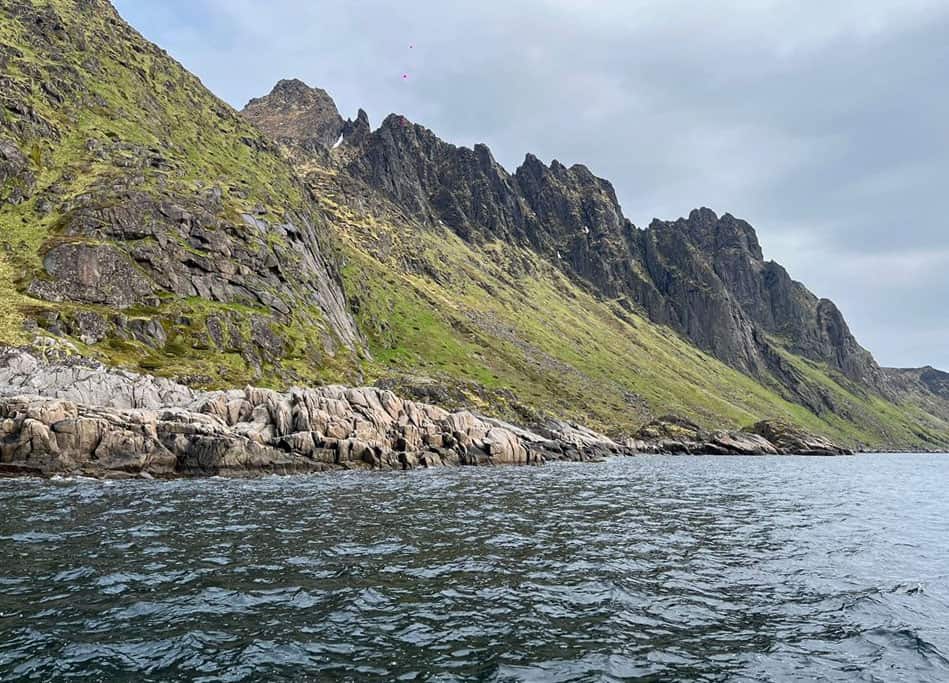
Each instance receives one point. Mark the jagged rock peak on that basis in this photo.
(703, 214)
(533, 174)
(296, 112)
(356, 133)
(532, 163)
(401, 123)
(709, 232)
(294, 90)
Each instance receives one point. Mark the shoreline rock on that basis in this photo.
(66, 415)
(672, 435)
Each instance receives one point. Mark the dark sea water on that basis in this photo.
(652, 568)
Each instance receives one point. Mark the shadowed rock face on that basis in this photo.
(182, 245)
(723, 295)
(704, 275)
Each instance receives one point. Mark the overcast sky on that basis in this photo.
(823, 123)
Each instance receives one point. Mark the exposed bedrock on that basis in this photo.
(76, 416)
(68, 415)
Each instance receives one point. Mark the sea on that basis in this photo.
(653, 568)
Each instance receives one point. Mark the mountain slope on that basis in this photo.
(468, 280)
(149, 224)
(144, 218)
(704, 276)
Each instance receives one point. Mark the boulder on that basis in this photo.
(91, 274)
(742, 443)
(791, 440)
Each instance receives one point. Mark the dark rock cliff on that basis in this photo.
(705, 276)
(728, 299)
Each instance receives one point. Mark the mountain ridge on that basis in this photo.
(573, 216)
(703, 276)
(150, 226)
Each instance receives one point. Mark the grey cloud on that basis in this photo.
(823, 124)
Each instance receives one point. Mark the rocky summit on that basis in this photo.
(295, 112)
(704, 276)
(158, 233)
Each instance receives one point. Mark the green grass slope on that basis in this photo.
(99, 113)
(501, 329)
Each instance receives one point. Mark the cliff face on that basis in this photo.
(154, 228)
(723, 295)
(396, 193)
(143, 217)
(705, 276)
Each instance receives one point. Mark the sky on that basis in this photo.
(823, 124)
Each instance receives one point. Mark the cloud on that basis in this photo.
(823, 124)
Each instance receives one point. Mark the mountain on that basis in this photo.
(704, 276)
(154, 228)
(145, 219)
(450, 221)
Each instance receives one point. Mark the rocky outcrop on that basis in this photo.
(295, 112)
(16, 179)
(356, 133)
(61, 374)
(62, 414)
(74, 416)
(675, 435)
(125, 252)
(249, 432)
(789, 439)
(91, 273)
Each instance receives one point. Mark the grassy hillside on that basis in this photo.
(108, 145)
(110, 125)
(502, 329)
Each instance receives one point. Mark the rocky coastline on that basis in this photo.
(61, 414)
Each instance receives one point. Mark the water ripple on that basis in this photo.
(748, 569)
